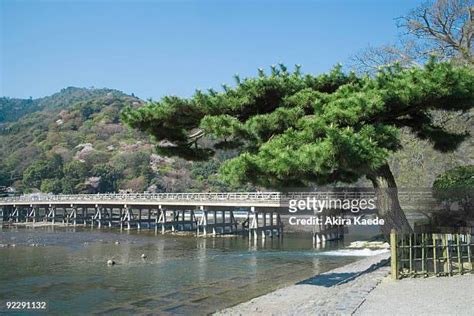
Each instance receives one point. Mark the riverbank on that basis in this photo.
(365, 288)
(338, 291)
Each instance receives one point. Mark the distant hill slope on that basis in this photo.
(73, 141)
(12, 109)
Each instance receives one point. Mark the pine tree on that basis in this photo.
(294, 129)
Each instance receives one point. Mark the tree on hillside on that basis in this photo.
(456, 186)
(109, 177)
(293, 129)
(75, 172)
(443, 28)
(51, 186)
(43, 169)
(5, 177)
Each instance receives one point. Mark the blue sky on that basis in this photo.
(157, 48)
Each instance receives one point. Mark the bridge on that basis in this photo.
(204, 213)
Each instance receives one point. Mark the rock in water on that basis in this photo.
(110, 262)
(143, 256)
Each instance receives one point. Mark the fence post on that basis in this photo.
(393, 256)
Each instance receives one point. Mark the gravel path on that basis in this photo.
(337, 292)
(432, 296)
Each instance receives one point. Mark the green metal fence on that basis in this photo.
(428, 254)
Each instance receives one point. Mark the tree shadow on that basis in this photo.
(331, 279)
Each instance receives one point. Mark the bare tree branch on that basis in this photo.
(443, 28)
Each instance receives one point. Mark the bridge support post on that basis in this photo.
(280, 226)
(53, 214)
(127, 216)
(74, 214)
(164, 219)
(223, 222)
(161, 219)
(121, 217)
(272, 227)
(139, 223)
(214, 232)
(173, 228)
(149, 218)
(84, 218)
(203, 221)
(65, 215)
(254, 224)
(110, 214)
(31, 214)
(206, 219)
(234, 226)
(250, 221)
(16, 214)
(97, 217)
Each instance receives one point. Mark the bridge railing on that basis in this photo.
(235, 196)
(230, 196)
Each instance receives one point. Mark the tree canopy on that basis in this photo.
(294, 129)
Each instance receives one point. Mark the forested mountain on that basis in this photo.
(74, 142)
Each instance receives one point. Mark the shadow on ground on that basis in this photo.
(331, 279)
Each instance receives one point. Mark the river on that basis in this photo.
(67, 268)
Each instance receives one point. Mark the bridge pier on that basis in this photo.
(126, 218)
(227, 220)
(174, 219)
(16, 213)
(50, 213)
(258, 224)
(72, 217)
(323, 232)
(31, 214)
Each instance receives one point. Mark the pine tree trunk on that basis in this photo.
(387, 203)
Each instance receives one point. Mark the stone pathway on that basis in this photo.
(337, 292)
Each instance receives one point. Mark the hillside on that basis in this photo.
(74, 142)
(11, 109)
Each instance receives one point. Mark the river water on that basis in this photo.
(66, 267)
